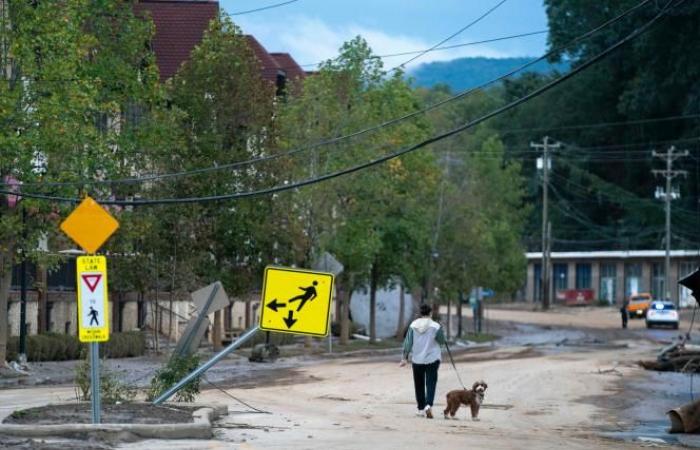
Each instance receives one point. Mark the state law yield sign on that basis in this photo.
(93, 320)
(296, 301)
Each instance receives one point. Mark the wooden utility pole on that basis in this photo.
(667, 196)
(545, 146)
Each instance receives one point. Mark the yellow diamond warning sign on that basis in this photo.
(93, 323)
(89, 225)
(296, 301)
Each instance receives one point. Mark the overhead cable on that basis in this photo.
(456, 33)
(329, 141)
(356, 168)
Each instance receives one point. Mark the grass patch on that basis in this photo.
(480, 337)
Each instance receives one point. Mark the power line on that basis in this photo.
(360, 132)
(264, 8)
(444, 47)
(456, 33)
(436, 138)
(603, 124)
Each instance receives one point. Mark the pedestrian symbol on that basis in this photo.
(93, 317)
(93, 325)
(309, 294)
(296, 301)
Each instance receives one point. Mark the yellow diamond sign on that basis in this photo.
(89, 225)
(296, 301)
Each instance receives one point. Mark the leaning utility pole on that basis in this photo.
(668, 195)
(546, 146)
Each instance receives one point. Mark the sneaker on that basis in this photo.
(428, 412)
(420, 413)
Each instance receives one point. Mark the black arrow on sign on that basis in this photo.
(273, 305)
(290, 320)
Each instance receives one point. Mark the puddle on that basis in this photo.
(648, 433)
(532, 335)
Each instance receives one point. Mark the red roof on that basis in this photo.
(180, 26)
(268, 65)
(289, 65)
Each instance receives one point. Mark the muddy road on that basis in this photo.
(556, 380)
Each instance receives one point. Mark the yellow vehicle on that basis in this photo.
(638, 305)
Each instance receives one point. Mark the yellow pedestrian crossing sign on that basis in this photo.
(93, 304)
(296, 301)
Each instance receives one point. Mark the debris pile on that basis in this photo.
(676, 357)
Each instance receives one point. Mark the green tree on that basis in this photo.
(363, 219)
(75, 73)
(226, 113)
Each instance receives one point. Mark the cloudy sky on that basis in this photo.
(313, 30)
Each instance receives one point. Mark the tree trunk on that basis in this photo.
(460, 299)
(5, 281)
(373, 304)
(430, 299)
(216, 331)
(449, 317)
(344, 300)
(41, 293)
(402, 312)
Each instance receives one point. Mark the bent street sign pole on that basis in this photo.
(296, 301)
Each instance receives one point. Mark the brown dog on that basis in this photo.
(474, 398)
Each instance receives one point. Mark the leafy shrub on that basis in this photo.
(176, 369)
(111, 389)
(62, 347)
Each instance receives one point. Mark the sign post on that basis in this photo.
(90, 225)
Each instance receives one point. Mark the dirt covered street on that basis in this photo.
(553, 383)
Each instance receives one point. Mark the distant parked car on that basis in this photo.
(662, 313)
(638, 305)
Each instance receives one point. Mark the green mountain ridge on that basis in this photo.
(464, 73)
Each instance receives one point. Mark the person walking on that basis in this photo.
(623, 313)
(422, 343)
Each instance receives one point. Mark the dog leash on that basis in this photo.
(449, 353)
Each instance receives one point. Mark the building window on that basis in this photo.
(583, 276)
(560, 273)
(608, 280)
(633, 279)
(17, 276)
(537, 283)
(658, 281)
(62, 277)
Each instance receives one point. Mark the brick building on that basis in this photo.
(613, 275)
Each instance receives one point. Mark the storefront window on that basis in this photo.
(633, 279)
(583, 276)
(608, 280)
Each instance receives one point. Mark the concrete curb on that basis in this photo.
(202, 417)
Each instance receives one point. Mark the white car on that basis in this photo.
(662, 313)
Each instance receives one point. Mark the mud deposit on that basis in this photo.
(136, 413)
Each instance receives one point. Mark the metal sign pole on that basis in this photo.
(95, 380)
(204, 367)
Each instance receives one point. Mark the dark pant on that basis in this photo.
(623, 314)
(425, 378)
